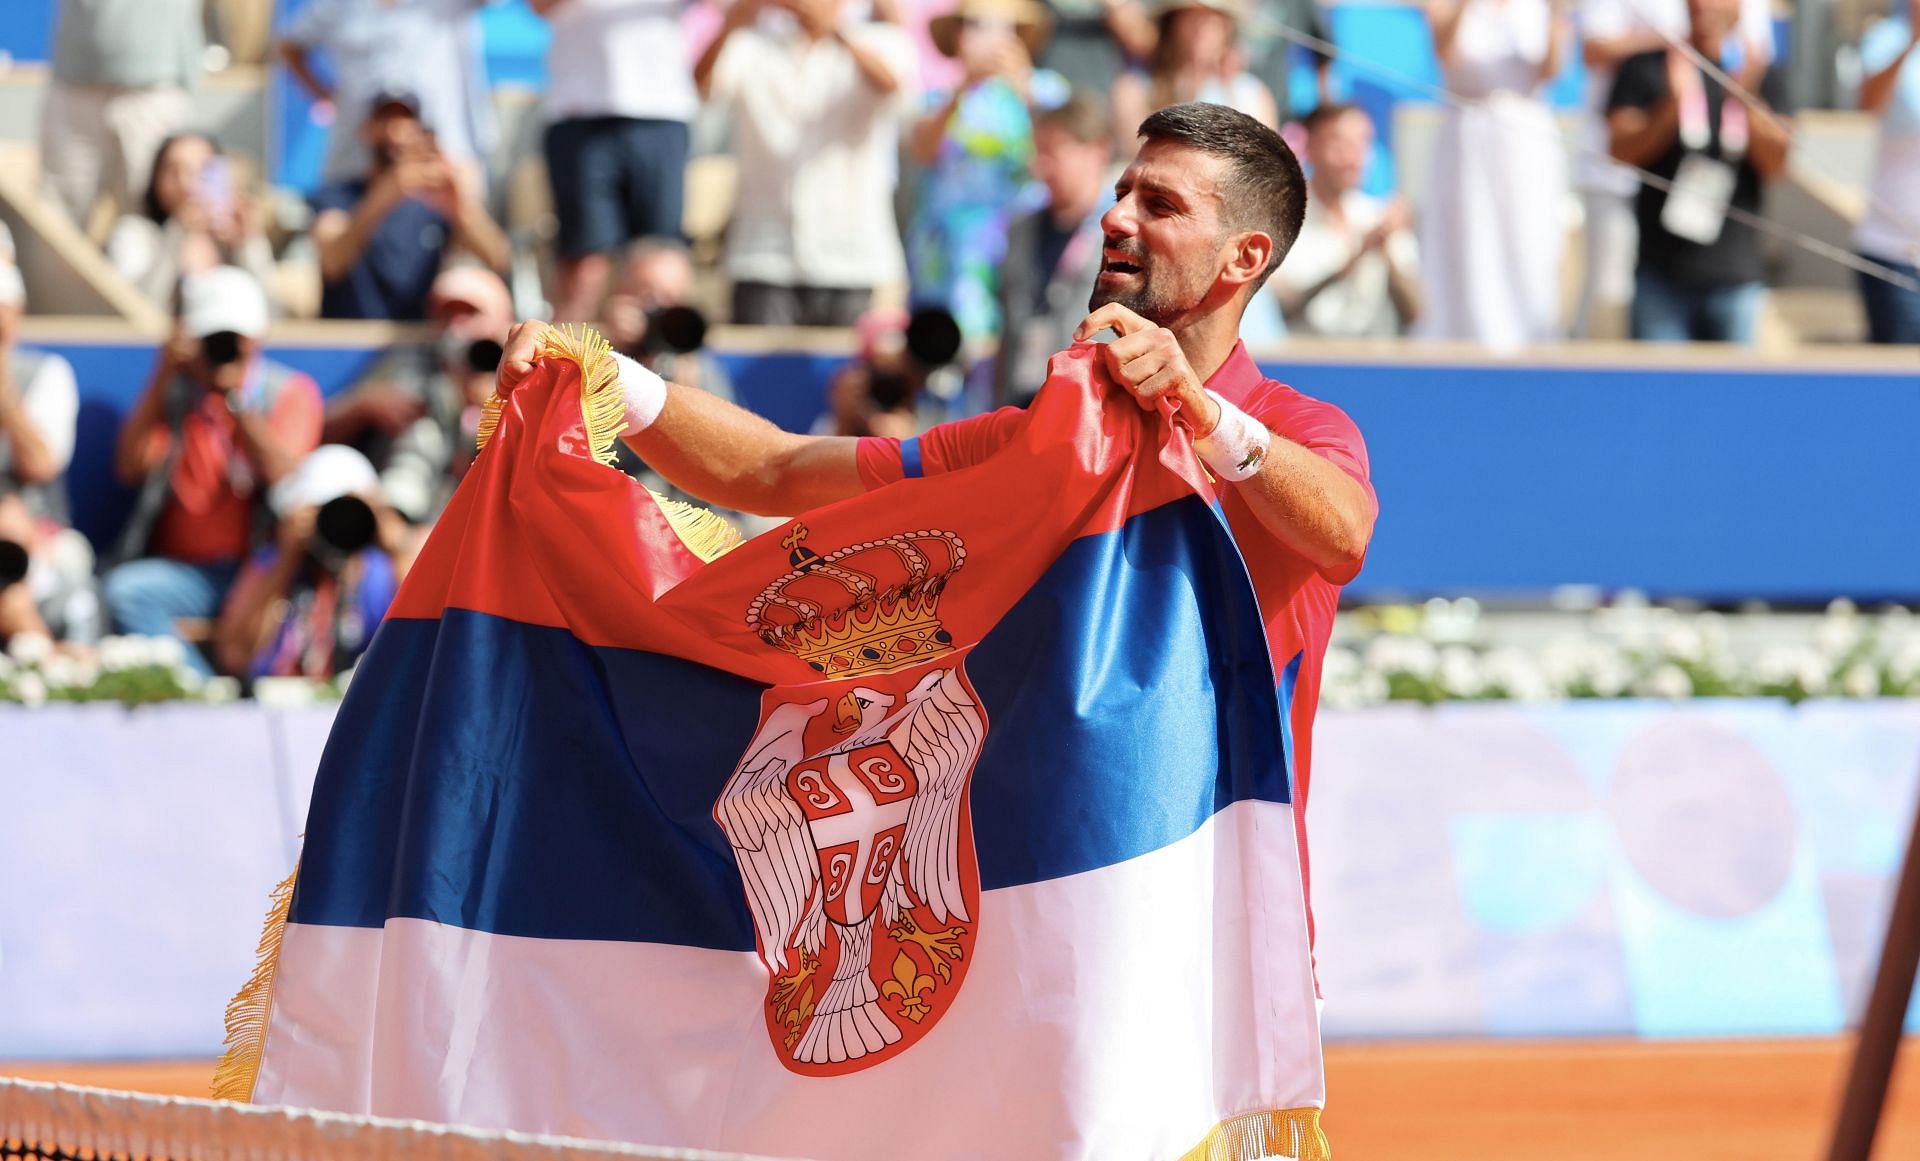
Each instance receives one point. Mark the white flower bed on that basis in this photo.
(134, 670)
(1450, 651)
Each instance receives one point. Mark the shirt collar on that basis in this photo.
(1237, 377)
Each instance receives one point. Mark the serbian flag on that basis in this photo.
(949, 821)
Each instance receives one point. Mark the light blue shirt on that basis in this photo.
(429, 48)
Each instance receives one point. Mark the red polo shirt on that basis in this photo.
(1296, 601)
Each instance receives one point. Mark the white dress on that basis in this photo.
(1493, 227)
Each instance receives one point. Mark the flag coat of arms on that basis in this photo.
(949, 821)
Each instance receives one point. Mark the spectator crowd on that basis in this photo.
(933, 179)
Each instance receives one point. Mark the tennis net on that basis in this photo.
(57, 1122)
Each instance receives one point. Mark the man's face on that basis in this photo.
(1071, 169)
(1166, 238)
(393, 132)
(1339, 150)
(1713, 18)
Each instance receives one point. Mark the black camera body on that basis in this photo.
(342, 528)
(13, 563)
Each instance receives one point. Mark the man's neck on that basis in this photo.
(1208, 341)
(1709, 46)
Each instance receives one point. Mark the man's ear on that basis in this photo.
(1248, 263)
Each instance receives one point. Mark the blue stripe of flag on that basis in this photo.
(504, 777)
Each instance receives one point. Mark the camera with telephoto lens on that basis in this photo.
(484, 355)
(13, 563)
(220, 348)
(673, 330)
(342, 528)
(932, 341)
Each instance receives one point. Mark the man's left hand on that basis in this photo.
(1147, 360)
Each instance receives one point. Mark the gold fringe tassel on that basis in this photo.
(603, 411)
(706, 535)
(1292, 1133)
(239, 1067)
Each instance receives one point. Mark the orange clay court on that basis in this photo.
(1734, 1100)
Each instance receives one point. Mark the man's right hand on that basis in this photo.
(523, 347)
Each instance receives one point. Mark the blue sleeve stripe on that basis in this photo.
(910, 458)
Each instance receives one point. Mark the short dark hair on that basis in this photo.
(1082, 116)
(1327, 114)
(1265, 188)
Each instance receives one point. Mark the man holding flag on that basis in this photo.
(906, 829)
(1202, 217)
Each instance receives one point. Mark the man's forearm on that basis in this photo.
(480, 236)
(1313, 507)
(339, 253)
(873, 67)
(133, 455)
(730, 457)
(1641, 144)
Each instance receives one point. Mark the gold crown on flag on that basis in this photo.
(866, 608)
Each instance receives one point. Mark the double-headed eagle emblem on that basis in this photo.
(848, 813)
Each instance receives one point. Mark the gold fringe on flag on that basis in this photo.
(1290, 1133)
(603, 411)
(706, 535)
(239, 1067)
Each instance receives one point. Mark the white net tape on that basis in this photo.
(67, 1123)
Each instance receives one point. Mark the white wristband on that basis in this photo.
(644, 391)
(1237, 446)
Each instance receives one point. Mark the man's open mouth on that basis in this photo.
(1116, 264)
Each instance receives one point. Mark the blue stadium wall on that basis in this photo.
(1792, 485)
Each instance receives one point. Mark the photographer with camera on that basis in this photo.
(45, 567)
(383, 236)
(218, 424)
(307, 605)
(883, 391)
(195, 215)
(415, 414)
(648, 318)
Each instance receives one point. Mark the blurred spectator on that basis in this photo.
(1094, 39)
(415, 414)
(46, 568)
(1610, 32)
(877, 392)
(430, 48)
(649, 319)
(1354, 271)
(218, 424)
(193, 217)
(974, 149)
(383, 237)
(1494, 224)
(816, 104)
(1197, 57)
(619, 97)
(1698, 277)
(1890, 235)
(307, 605)
(121, 71)
(1054, 252)
(1270, 55)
